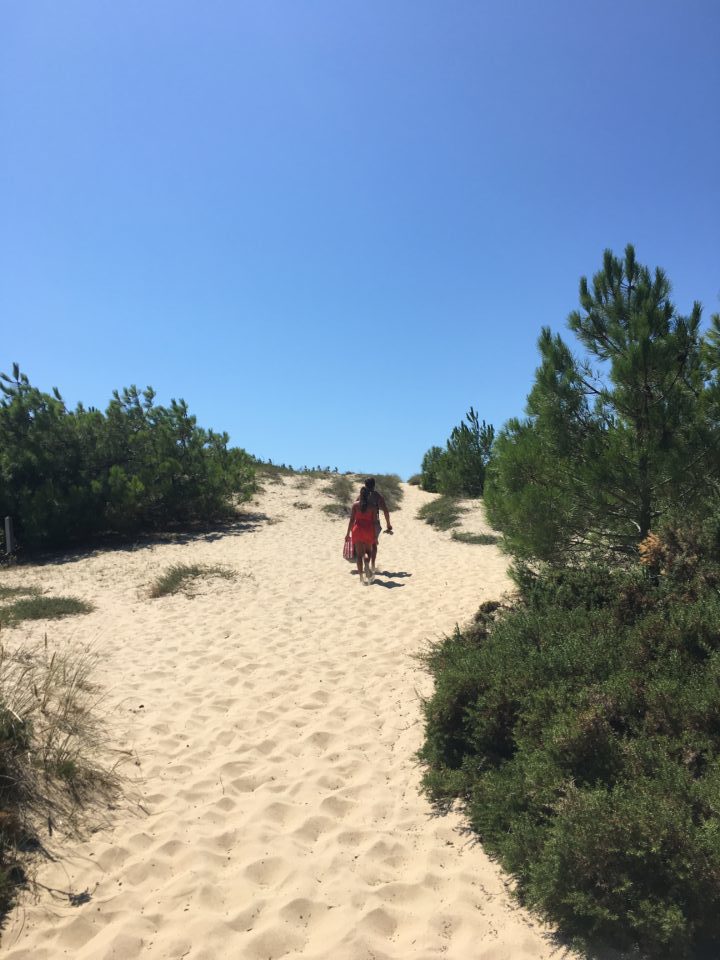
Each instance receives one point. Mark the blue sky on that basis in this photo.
(332, 227)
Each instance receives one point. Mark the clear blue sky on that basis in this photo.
(330, 226)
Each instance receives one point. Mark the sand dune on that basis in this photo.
(275, 718)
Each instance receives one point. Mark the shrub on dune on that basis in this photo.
(442, 513)
(581, 728)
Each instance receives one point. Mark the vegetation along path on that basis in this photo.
(275, 716)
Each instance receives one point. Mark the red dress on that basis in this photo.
(363, 529)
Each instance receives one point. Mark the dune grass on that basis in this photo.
(180, 576)
(301, 505)
(55, 760)
(442, 513)
(389, 485)
(340, 488)
(484, 539)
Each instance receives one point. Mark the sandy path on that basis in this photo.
(276, 718)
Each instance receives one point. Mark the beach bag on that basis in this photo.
(349, 551)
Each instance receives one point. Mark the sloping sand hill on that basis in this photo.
(275, 718)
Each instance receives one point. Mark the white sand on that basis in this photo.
(276, 718)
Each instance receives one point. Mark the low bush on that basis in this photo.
(443, 513)
(415, 480)
(181, 575)
(581, 730)
(340, 488)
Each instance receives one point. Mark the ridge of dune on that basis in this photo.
(275, 719)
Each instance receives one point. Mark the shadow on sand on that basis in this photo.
(181, 533)
(389, 584)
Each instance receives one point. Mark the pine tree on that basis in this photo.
(461, 470)
(614, 439)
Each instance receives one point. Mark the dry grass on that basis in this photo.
(55, 759)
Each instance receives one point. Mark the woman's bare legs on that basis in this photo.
(362, 555)
(359, 559)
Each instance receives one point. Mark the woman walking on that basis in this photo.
(361, 528)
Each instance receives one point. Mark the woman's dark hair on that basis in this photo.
(364, 494)
(370, 483)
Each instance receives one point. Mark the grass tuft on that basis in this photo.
(181, 575)
(442, 513)
(42, 608)
(302, 505)
(484, 539)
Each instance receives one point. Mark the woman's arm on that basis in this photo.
(351, 521)
(383, 507)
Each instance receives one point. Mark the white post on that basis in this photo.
(9, 538)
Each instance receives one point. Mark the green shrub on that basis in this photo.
(415, 480)
(429, 469)
(181, 575)
(442, 513)
(581, 728)
(66, 475)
